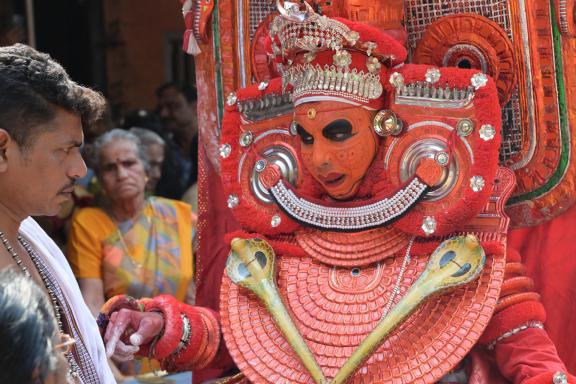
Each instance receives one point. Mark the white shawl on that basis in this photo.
(54, 258)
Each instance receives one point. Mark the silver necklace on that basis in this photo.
(57, 297)
(14, 255)
(396, 289)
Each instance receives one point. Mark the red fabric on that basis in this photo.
(512, 317)
(548, 251)
(214, 220)
(529, 357)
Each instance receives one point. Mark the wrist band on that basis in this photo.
(531, 324)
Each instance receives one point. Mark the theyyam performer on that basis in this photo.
(373, 247)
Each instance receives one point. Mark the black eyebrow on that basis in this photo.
(300, 130)
(337, 126)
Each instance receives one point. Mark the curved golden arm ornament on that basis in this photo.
(251, 264)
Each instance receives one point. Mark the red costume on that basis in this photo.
(356, 179)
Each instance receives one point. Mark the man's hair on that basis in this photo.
(27, 330)
(31, 85)
(187, 90)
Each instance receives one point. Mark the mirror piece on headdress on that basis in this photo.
(429, 225)
(342, 59)
(464, 127)
(442, 158)
(373, 65)
(477, 183)
(246, 139)
(260, 165)
(263, 85)
(232, 98)
(397, 80)
(479, 80)
(294, 128)
(233, 201)
(432, 75)
(225, 150)
(369, 46)
(279, 156)
(487, 132)
(386, 123)
(276, 220)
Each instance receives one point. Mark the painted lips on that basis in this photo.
(332, 179)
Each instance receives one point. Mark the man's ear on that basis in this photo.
(4, 141)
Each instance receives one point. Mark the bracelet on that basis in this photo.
(169, 340)
(531, 324)
(186, 334)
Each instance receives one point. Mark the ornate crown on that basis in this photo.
(329, 58)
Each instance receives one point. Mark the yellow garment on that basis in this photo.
(147, 256)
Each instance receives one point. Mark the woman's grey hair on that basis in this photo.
(147, 137)
(115, 135)
(27, 330)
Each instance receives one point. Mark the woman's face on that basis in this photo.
(337, 145)
(122, 173)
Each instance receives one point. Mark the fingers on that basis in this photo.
(150, 325)
(124, 352)
(119, 322)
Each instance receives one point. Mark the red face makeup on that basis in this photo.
(337, 145)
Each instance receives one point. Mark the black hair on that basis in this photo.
(27, 330)
(31, 85)
(187, 90)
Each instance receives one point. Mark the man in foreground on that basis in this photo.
(42, 114)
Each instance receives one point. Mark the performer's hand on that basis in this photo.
(128, 329)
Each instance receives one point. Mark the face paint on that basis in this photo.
(337, 145)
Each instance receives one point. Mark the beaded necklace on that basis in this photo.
(87, 375)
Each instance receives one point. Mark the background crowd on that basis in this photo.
(131, 225)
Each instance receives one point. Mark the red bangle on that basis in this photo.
(168, 341)
(213, 341)
(518, 298)
(183, 359)
(515, 285)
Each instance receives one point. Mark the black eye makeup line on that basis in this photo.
(337, 130)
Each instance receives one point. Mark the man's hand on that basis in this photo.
(128, 329)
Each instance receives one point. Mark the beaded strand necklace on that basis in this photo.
(75, 373)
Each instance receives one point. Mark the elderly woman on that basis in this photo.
(133, 244)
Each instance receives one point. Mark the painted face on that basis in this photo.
(42, 176)
(122, 173)
(337, 145)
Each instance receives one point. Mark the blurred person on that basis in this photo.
(154, 146)
(133, 244)
(31, 348)
(142, 118)
(12, 25)
(42, 113)
(177, 111)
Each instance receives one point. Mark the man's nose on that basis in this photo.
(78, 169)
(163, 112)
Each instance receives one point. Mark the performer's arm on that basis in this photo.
(524, 352)
(180, 336)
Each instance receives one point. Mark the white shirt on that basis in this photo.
(53, 257)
